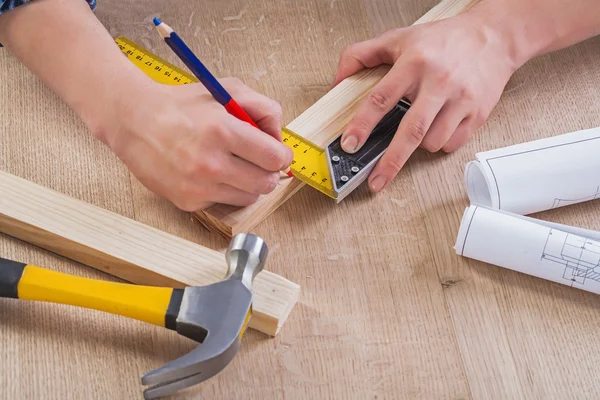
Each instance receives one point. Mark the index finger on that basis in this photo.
(255, 146)
(408, 137)
(381, 99)
(266, 112)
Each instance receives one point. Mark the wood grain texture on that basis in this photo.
(510, 345)
(128, 249)
(320, 123)
(387, 309)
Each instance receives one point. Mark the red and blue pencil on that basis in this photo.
(203, 74)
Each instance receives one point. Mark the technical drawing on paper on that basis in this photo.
(580, 256)
(565, 202)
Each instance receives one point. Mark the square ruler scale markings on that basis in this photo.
(331, 171)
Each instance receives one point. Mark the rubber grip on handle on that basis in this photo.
(145, 303)
(10, 275)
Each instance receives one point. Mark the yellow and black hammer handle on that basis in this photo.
(156, 305)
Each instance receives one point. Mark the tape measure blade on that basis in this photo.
(152, 65)
(314, 184)
(310, 163)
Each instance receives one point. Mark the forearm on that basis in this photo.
(63, 43)
(536, 27)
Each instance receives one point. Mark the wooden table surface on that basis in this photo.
(387, 309)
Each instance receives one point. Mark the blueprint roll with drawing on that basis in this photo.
(536, 176)
(555, 252)
(507, 184)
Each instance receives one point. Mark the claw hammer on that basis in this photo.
(215, 315)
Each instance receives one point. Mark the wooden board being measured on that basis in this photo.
(128, 249)
(320, 123)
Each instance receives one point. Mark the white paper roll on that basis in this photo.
(539, 175)
(559, 253)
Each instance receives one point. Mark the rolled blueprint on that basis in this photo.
(539, 175)
(559, 253)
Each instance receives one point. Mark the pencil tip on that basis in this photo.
(157, 21)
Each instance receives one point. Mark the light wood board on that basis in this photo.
(128, 249)
(387, 309)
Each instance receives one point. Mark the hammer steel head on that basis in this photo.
(216, 315)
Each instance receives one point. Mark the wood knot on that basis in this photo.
(449, 283)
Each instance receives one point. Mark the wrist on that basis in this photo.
(88, 72)
(106, 115)
(510, 23)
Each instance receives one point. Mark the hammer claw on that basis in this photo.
(168, 388)
(174, 377)
(220, 312)
(220, 347)
(201, 361)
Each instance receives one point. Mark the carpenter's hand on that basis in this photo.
(453, 71)
(184, 146)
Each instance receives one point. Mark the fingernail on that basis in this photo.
(350, 144)
(378, 183)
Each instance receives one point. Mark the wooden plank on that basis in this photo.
(320, 123)
(128, 249)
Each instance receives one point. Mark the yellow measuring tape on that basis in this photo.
(310, 161)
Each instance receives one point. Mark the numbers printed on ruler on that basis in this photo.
(310, 163)
(155, 67)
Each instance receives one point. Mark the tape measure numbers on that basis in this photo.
(152, 65)
(310, 161)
